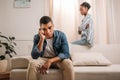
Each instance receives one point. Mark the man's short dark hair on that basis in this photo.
(86, 4)
(45, 20)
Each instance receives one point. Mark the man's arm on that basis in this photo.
(38, 45)
(41, 41)
(35, 51)
(55, 59)
(64, 52)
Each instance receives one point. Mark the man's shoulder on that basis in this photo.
(58, 33)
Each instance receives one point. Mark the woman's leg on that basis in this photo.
(80, 42)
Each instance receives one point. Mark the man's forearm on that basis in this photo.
(40, 44)
(55, 59)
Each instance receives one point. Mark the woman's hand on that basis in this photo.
(87, 26)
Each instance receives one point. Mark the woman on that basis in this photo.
(86, 28)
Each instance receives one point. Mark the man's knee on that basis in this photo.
(33, 64)
(67, 64)
(37, 63)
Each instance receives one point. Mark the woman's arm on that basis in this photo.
(79, 31)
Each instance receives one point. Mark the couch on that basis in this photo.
(111, 72)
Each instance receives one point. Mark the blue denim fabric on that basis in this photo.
(82, 41)
(60, 46)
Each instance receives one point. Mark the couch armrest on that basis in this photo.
(20, 62)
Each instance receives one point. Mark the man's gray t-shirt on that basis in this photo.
(49, 51)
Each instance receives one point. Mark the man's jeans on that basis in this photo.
(66, 66)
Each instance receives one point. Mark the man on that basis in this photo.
(86, 28)
(50, 49)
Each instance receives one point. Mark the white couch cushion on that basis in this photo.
(110, 51)
(111, 72)
(89, 58)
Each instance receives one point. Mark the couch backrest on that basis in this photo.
(111, 52)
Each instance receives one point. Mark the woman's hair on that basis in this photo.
(86, 4)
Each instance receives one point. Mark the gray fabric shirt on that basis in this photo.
(49, 51)
(88, 33)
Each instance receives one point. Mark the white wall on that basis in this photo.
(22, 23)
